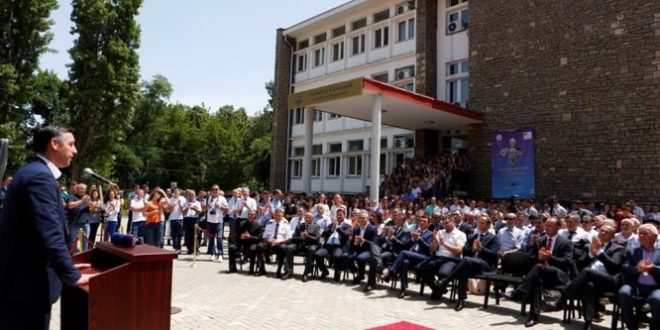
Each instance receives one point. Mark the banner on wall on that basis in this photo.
(513, 164)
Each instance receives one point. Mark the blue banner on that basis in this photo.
(513, 164)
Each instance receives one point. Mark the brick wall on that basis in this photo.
(282, 83)
(426, 42)
(586, 76)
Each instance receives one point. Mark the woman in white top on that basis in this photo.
(337, 202)
(111, 208)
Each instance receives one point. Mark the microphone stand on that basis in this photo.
(102, 211)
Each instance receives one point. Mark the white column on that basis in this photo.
(376, 115)
(307, 158)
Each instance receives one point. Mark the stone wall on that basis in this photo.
(586, 76)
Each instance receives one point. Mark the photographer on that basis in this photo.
(111, 209)
(215, 210)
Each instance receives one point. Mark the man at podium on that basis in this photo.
(34, 258)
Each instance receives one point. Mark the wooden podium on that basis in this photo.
(132, 289)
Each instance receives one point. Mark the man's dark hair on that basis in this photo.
(43, 134)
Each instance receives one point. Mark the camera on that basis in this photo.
(212, 212)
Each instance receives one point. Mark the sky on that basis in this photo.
(216, 52)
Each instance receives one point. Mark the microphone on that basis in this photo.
(123, 240)
(89, 173)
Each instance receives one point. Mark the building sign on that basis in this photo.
(513, 164)
(324, 94)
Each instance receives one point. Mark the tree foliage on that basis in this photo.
(125, 129)
(24, 36)
(104, 77)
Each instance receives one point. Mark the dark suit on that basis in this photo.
(475, 262)
(363, 252)
(417, 253)
(34, 258)
(308, 246)
(337, 251)
(389, 249)
(555, 272)
(590, 284)
(636, 289)
(249, 245)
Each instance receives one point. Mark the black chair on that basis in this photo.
(513, 269)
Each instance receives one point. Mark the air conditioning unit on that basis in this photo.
(405, 74)
(456, 26)
(399, 143)
(405, 7)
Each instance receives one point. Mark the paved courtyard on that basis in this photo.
(210, 298)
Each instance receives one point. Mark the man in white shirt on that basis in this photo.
(574, 232)
(247, 203)
(215, 209)
(176, 218)
(293, 224)
(275, 238)
(191, 210)
(446, 250)
(137, 207)
(511, 237)
(235, 205)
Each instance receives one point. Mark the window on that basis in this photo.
(319, 56)
(338, 51)
(334, 166)
(383, 143)
(298, 116)
(406, 30)
(334, 116)
(381, 37)
(318, 115)
(458, 68)
(383, 164)
(410, 86)
(334, 147)
(336, 32)
(298, 151)
(356, 145)
(296, 168)
(303, 44)
(381, 16)
(302, 63)
(383, 77)
(356, 25)
(354, 165)
(358, 44)
(451, 3)
(405, 7)
(458, 21)
(320, 38)
(458, 91)
(317, 149)
(316, 167)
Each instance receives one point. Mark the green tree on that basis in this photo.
(104, 77)
(24, 36)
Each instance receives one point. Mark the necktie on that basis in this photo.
(277, 226)
(570, 235)
(548, 246)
